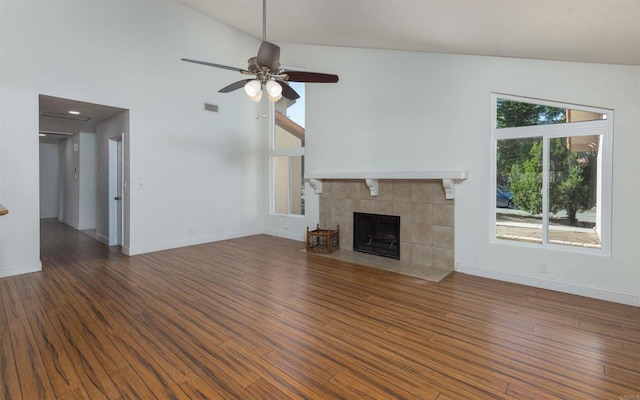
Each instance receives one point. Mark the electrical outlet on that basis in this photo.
(543, 267)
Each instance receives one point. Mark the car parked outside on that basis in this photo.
(504, 197)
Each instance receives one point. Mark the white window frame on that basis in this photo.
(603, 128)
(273, 153)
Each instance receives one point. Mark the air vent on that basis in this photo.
(211, 107)
(67, 117)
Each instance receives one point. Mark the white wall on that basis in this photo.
(194, 173)
(78, 170)
(70, 181)
(49, 180)
(400, 111)
(87, 180)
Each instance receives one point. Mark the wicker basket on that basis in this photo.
(324, 241)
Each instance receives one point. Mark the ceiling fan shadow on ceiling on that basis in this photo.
(269, 77)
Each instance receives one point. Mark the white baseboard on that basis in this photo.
(135, 250)
(72, 224)
(632, 299)
(86, 227)
(75, 225)
(286, 235)
(102, 238)
(19, 269)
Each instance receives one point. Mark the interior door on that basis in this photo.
(115, 192)
(119, 194)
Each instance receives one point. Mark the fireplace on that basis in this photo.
(427, 234)
(376, 234)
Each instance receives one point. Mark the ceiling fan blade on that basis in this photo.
(269, 56)
(313, 77)
(244, 71)
(234, 86)
(288, 92)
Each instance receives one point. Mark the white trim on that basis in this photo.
(291, 235)
(556, 130)
(372, 184)
(102, 238)
(294, 151)
(551, 103)
(449, 179)
(316, 185)
(19, 269)
(549, 284)
(286, 152)
(449, 189)
(601, 128)
(70, 223)
(566, 248)
(459, 175)
(77, 226)
(131, 251)
(546, 159)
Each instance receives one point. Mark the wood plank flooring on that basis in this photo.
(253, 318)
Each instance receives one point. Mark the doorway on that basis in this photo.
(90, 140)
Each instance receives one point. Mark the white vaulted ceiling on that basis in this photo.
(597, 31)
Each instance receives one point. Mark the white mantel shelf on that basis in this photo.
(449, 178)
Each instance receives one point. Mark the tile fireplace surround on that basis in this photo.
(426, 216)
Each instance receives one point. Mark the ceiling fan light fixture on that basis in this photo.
(257, 97)
(269, 76)
(274, 91)
(253, 88)
(273, 99)
(274, 88)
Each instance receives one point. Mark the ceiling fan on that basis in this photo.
(268, 74)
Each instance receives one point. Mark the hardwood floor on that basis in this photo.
(254, 318)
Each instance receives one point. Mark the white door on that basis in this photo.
(120, 193)
(115, 191)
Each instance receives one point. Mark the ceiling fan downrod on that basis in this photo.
(264, 20)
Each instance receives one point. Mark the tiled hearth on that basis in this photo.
(426, 217)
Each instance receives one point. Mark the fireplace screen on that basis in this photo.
(377, 234)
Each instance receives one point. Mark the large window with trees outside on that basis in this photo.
(552, 173)
(287, 154)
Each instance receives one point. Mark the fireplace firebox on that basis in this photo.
(377, 234)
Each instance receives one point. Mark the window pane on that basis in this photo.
(511, 114)
(289, 184)
(290, 120)
(289, 135)
(579, 116)
(518, 190)
(573, 191)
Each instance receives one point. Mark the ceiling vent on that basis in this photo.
(66, 117)
(211, 107)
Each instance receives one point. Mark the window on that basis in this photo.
(287, 154)
(552, 164)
